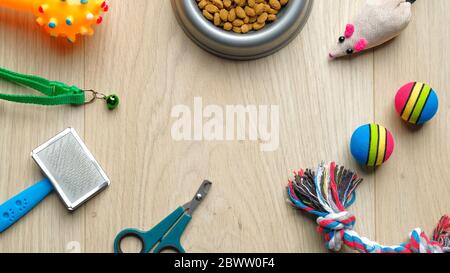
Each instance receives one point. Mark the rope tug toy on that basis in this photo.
(65, 18)
(328, 192)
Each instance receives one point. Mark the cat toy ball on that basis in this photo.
(372, 145)
(416, 103)
(328, 192)
(63, 18)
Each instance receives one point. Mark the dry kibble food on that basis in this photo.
(241, 16)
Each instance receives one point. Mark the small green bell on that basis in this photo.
(112, 101)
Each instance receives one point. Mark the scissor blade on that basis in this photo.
(198, 198)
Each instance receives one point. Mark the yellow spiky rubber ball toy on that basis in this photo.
(63, 18)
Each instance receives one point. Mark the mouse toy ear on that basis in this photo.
(360, 45)
(349, 30)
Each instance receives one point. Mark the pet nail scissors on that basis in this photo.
(167, 234)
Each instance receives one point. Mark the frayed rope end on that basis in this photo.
(442, 233)
(327, 193)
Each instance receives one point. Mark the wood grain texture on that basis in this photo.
(49, 227)
(153, 66)
(413, 189)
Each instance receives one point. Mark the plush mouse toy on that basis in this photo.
(378, 22)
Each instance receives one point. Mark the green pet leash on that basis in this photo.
(55, 93)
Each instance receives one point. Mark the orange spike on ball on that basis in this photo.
(63, 18)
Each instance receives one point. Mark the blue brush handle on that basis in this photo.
(18, 206)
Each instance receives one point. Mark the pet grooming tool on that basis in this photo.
(70, 169)
(167, 234)
(65, 18)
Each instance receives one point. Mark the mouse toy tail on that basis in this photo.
(329, 191)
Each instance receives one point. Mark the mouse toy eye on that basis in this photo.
(349, 51)
(341, 39)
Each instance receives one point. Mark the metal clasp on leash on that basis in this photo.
(94, 95)
(112, 101)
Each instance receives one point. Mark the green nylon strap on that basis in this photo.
(56, 93)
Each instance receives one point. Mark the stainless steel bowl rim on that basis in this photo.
(251, 45)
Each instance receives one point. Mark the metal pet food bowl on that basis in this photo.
(252, 45)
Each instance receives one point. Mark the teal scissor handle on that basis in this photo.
(168, 233)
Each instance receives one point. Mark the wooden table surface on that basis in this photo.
(142, 54)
